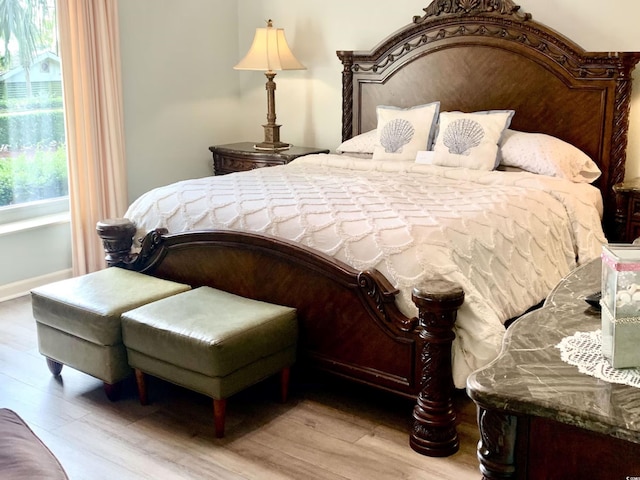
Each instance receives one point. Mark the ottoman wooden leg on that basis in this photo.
(285, 373)
(112, 390)
(142, 387)
(54, 367)
(219, 411)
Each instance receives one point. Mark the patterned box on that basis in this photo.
(621, 305)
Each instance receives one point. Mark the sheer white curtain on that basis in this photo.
(92, 89)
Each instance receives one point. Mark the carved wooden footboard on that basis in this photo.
(349, 323)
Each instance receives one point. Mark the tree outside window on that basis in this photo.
(33, 163)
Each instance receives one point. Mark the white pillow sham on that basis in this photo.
(547, 155)
(470, 140)
(362, 144)
(402, 132)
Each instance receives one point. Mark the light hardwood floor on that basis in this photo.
(328, 429)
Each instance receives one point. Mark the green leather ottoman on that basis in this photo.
(212, 342)
(78, 320)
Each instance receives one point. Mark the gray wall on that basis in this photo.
(181, 94)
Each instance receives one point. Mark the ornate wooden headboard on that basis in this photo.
(475, 55)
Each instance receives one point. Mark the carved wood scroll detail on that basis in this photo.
(454, 7)
(496, 449)
(150, 244)
(562, 54)
(370, 283)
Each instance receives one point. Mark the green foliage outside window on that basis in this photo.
(39, 128)
(35, 103)
(33, 175)
(33, 164)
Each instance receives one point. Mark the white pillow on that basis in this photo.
(547, 155)
(402, 132)
(360, 144)
(470, 140)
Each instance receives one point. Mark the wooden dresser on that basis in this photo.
(539, 417)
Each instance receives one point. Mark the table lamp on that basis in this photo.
(269, 52)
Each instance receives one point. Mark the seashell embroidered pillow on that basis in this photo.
(402, 132)
(470, 140)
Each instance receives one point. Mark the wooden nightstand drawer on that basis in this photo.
(238, 157)
(634, 232)
(227, 164)
(627, 219)
(634, 208)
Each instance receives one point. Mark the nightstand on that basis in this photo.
(627, 220)
(237, 157)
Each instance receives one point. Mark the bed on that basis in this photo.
(416, 325)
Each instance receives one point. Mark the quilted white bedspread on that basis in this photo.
(506, 238)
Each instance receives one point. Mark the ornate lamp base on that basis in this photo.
(271, 146)
(271, 128)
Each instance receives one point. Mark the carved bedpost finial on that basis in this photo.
(470, 7)
(117, 239)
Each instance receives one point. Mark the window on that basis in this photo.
(33, 163)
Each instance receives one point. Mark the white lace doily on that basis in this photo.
(584, 350)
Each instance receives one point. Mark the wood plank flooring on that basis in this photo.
(329, 430)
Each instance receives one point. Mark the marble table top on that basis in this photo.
(529, 378)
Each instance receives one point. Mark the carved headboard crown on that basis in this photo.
(471, 7)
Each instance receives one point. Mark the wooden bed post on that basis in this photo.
(117, 239)
(346, 57)
(434, 427)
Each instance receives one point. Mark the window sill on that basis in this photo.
(33, 223)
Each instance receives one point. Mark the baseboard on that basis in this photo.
(23, 287)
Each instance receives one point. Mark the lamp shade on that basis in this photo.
(269, 52)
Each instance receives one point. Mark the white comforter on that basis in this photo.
(506, 238)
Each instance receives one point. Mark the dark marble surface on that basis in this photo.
(529, 378)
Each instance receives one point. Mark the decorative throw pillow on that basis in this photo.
(470, 139)
(362, 144)
(402, 132)
(547, 155)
